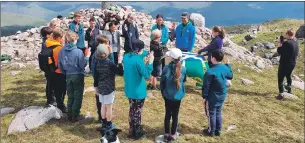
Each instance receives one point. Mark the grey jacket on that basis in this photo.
(116, 46)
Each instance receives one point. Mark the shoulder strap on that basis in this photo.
(53, 46)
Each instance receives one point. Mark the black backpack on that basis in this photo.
(46, 59)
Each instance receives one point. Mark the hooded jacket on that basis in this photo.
(167, 84)
(71, 60)
(51, 42)
(81, 34)
(185, 37)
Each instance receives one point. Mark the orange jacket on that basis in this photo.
(50, 42)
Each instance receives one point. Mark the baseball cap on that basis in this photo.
(102, 49)
(175, 53)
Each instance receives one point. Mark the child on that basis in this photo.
(101, 39)
(217, 42)
(156, 47)
(214, 92)
(72, 64)
(173, 90)
(104, 82)
(78, 28)
(135, 73)
(57, 80)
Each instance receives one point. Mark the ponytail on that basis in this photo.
(177, 75)
(221, 31)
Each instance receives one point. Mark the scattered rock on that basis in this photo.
(259, 44)
(290, 96)
(246, 81)
(269, 45)
(238, 70)
(231, 127)
(260, 28)
(18, 32)
(298, 84)
(15, 72)
(268, 55)
(7, 110)
(300, 32)
(275, 60)
(229, 83)
(33, 117)
(260, 64)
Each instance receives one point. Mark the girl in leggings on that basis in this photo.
(173, 90)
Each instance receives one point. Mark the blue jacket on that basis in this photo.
(164, 31)
(185, 37)
(167, 84)
(81, 34)
(215, 44)
(135, 75)
(71, 60)
(214, 88)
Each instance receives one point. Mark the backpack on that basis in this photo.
(46, 59)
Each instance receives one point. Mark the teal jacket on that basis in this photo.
(81, 34)
(135, 75)
(185, 37)
(164, 31)
(214, 88)
(168, 86)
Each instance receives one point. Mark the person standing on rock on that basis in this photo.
(72, 64)
(114, 37)
(130, 32)
(164, 36)
(214, 92)
(91, 34)
(135, 74)
(289, 51)
(78, 28)
(185, 34)
(57, 80)
(219, 34)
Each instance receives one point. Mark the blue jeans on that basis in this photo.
(214, 114)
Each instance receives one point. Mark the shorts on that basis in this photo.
(157, 69)
(107, 99)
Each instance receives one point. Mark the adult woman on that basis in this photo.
(164, 36)
(135, 73)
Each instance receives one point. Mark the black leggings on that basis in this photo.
(284, 71)
(171, 111)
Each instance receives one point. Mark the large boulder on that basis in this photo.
(5, 111)
(298, 84)
(33, 117)
(269, 45)
(198, 19)
(301, 32)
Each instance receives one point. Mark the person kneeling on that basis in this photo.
(214, 92)
(104, 82)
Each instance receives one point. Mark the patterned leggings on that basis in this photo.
(135, 112)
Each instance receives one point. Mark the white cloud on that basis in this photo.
(254, 6)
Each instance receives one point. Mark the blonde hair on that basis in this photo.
(53, 23)
(155, 34)
(77, 14)
(71, 36)
(290, 33)
(57, 34)
(102, 39)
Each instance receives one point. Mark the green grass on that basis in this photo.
(11, 19)
(259, 117)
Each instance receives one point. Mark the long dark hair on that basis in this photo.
(177, 75)
(220, 30)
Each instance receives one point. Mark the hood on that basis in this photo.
(70, 47)
(51, 42)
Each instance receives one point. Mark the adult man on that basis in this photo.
(185, 34)
(130, 32)
(288, 50)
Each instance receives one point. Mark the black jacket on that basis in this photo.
(92, 43)
(289, 52)
(158, 50)
(130, 35)
(104, 77)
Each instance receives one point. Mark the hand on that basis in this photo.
(203, 101)
(109, 49)
(227, 61)
(279, 44)
(125, 27)
(199, 52)
(120, 57)
(151, 57)
(96, 90)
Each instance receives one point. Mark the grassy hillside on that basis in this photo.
(11, 19)
(259, 117)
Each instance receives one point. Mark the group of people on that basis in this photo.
(70, 56)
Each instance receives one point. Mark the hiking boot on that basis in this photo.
(280, 96)
(137, 132)
(149, 87)
(208, 133)
(77, 118)
(63, 109)
(288, 88)
(217, 133)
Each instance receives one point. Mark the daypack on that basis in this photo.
(46, 59)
